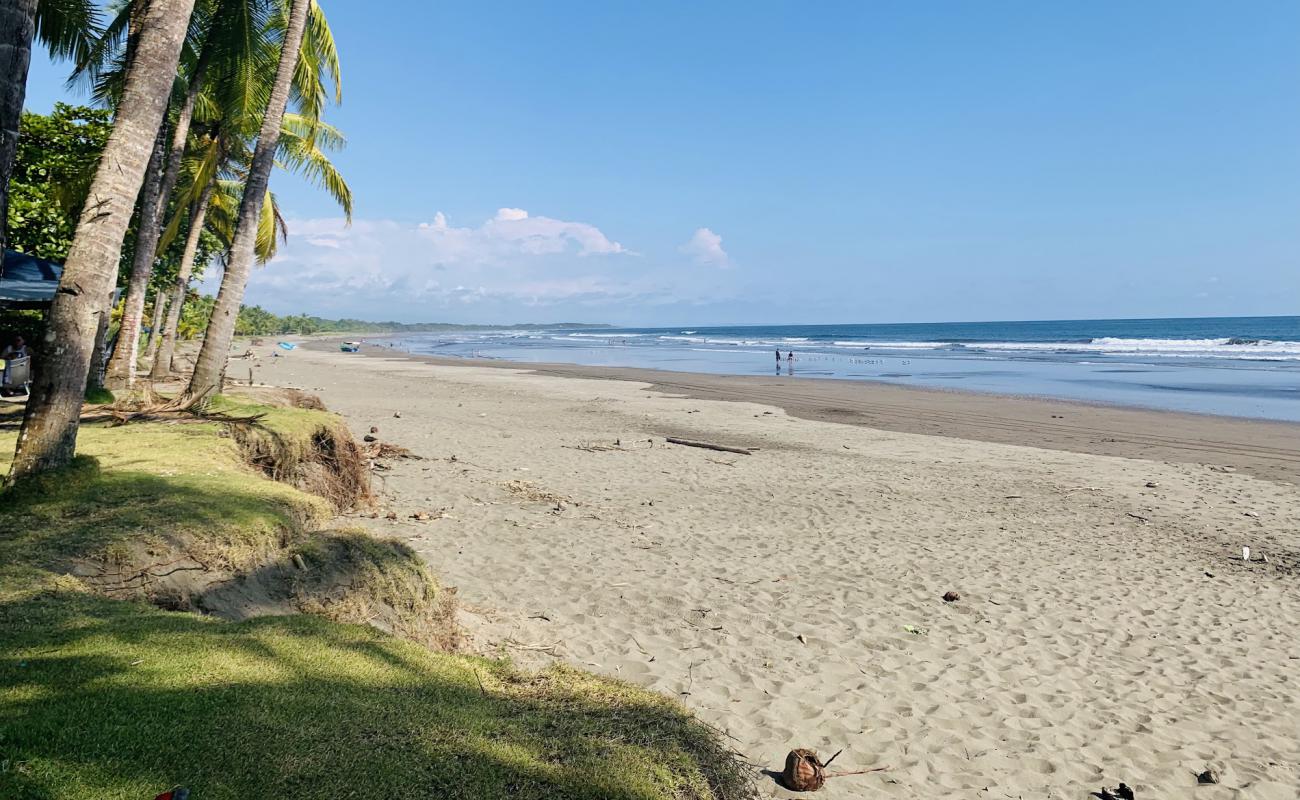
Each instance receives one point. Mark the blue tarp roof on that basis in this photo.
(28, 280)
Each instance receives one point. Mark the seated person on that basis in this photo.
(15, 349)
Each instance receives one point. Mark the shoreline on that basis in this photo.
(1268, 449)
(1106, 626)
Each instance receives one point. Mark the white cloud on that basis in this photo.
(705, 247)
(513, 232)
(514, 266)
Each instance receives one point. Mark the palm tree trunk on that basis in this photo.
(48, 437)
(210, 369)
(155, 336)
(162, 362)
(179, 137)
(17, 26)
(122, 366)
(95, 373)
(122, 369)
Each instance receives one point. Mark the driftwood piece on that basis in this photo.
(707, 445)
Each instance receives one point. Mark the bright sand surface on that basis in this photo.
(1108, 629)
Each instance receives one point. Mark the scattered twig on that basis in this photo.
(856, 771)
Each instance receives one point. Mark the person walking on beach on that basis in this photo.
(778, 356)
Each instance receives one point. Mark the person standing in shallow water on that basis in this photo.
(778, 356)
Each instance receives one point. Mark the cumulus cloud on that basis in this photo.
(513, 266)
(514, 232)
(705, 247)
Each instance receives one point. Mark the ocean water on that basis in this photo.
(1235, 366)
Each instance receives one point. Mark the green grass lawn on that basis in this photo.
(103, 698)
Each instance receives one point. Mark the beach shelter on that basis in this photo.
(27, 281)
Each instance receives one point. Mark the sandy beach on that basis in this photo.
(1108, 628)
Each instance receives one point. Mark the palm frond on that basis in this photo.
(201, 167)
(69, 28)
(301, 156)
(320, 133)
(320, 40)
(271, 230)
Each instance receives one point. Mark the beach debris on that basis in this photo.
(1207, 776)
(397, 415)
(806, 772)
(386, 450)
(374, 429)
(1209, 574)
(174, 793)
(1122, 792)
(1152, 485)
(369, 438)
(391, 515)
(912, 629)
(1250, 514)
(1245, 554)
(951, 597)
(744, 451)
(801, 639)
(1138, 517)
(299, 562)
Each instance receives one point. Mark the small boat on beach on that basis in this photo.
(350, 347)
(286, 345)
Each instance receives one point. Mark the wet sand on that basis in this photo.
(1259, 447)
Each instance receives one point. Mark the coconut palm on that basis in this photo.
(214, 183)
(210, 368)
(233, 41)
(67, 28)
(48, 436)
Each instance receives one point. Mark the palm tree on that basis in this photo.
(67, 28)
(302, 149)
(210, 369)
(221, 32)
(221, 196)
(48, 437)
(229, 41)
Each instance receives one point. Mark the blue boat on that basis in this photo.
(287, 345)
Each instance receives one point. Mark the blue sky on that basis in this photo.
(695, 163)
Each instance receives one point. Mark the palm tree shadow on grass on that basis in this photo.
(100, 698)
(81, 512)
